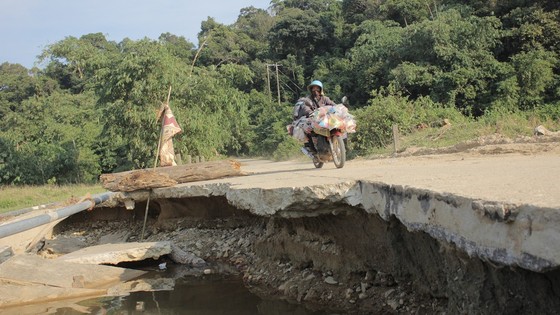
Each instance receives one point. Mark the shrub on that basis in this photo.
(384, 110)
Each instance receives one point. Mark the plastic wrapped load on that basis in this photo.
(302, 127)
(333, 117)
(321, 121)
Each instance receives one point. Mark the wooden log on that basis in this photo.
(170, 176)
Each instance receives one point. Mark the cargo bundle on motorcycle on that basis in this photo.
(326, 127)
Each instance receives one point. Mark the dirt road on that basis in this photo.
(510, 173)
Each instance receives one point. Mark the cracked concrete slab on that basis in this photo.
(28, 279)
(117, 253)
(504, 208)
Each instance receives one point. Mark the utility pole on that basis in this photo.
(268, 81)
(277, 83)
(277, 80)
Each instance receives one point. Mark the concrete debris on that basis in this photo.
(31, 279)
(116, 253)
(541, 130)
(56, 273)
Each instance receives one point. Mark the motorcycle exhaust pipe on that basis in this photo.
(308, 153)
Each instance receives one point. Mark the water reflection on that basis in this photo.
(193, 294)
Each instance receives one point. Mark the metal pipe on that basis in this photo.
(27, 224)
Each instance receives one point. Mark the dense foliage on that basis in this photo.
(91, 107)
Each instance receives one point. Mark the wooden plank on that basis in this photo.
(170, 176)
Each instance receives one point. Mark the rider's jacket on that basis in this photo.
(306, 105)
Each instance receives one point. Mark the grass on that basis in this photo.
(511, 125)
(19, 197)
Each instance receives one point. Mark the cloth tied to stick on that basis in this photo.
(170, 128)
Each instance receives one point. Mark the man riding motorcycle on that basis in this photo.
(308, 104)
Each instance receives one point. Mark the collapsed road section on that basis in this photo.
(350, 242)
(372, 238)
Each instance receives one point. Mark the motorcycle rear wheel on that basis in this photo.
(338, 151)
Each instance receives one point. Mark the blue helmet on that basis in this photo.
(315, 83)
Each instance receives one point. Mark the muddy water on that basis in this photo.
(192, 294)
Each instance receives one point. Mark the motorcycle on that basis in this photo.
(324, 133)
(329, 146)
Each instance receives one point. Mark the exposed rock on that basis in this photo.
(63, 245)
(330, 280)
(115, 237)
(542, 131)
(394, 304)
(182, 257)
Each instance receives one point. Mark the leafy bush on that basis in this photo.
(549, 112)
(375, 121)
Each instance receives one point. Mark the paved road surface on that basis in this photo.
(508, 178)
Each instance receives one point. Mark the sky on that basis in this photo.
(28, 26)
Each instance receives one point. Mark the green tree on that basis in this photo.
(269, 120)
(305, 5)
(74, 61)
(256, 24)
(357, 11)
(178, 46)
(130, 91)
(532, 28)
(222, 44)
(407, 11)
(16, 85)
(453, 58)
(376, 52)
(299, 33)
(215, 115)
(535, 76)
(208, 105)
(54, 136)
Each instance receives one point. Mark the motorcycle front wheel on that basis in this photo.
(338, 151)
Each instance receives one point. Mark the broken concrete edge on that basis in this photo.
(526, 236)
(115, 253)
(29, 279)
(526, 239)
(118, 253)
